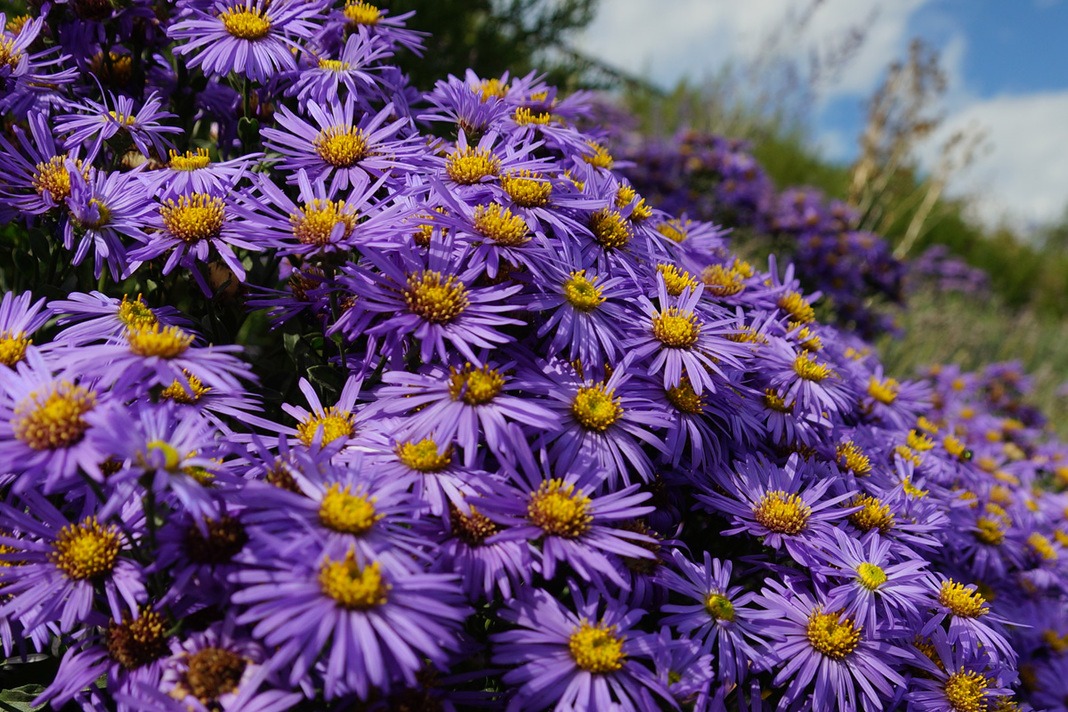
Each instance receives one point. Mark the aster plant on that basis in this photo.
(378, 399)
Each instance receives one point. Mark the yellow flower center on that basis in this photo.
(610, 229)
(246, 24)
(870, 576)
(54, 178)
(103, 216)
(186, 394)
(314, 223)
(673, 230)
(492, 88)
(475, 386)
(121, 119)
(334, 422)
(719, 607)
(831, 635)
(797, 307)
(334, 65)
(596, 648)
(341, 146)
(157, 340)
(434, 298)
(501, 225)
(527, 189)
(559, 510)
(135, 315)
(468, 166)
(685, 398)
(782, 513)
(912, 490)
(212, 673)
(598, 157)
(345, 512)
(194, 217)
(807, 368)
(16, 23)
(116, 70)
(966, 691)
(640, 210)
(918, 441)
(873, 514)
(189, 161)
(723, 281)
(13, 346)
(1042, 547)
(583, 293)
(809, 340)
(87, 550)
(596, 408)
(423, 456)
(852, 459)
(135, 643)
(676, 280)
(352, 586)
(53, 419)
(361, 13)
(883, 391)
(990, 531)
(676, 329)
(961, 600)
(526, 117)
(773, 401)
(473, 530)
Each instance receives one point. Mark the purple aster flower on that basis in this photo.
(338, 147)
(219, 668)
(716, 614)
(255, 38)
(353, 68)
(100, 212)
(589, 658)
(686, 669)
(363, 17)
(429, 298)
(100, 122)
(437, 479)
(884, 583)
(25, 74)
(971, 626)
(827, 659)
(606, 421)
(66, 570)
(199, 553)
(568, 515)
(19, 319)
(37, 173)
(370, 625)
(43, 426)
(195, 171)
(486, 563)
(186, 228)
(955, 679)
(784, 506)
(804, 378)
(684, 341)
(466, 405)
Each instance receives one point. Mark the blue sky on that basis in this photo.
(1006, 60)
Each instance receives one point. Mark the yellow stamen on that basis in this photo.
(852, 459)
(832, 635)
(334, 422)
(676, 281)
(685, 399)
(185, 393)
(501, 225)
(13, 345)
(436, 299)
(341, 146)
(807, 368)
(158, 340)
(962, 600)
(599, 157)
(246, 24)
(424, 456)
(597, 649)
(883, 391)
(52, 418)
(362, 13)
(596, 408)
(468, 166)
(87, 550)
(782, 513)
(527, 189)
(966, 691)
(870, 576)
(583, 293)
(558, 509)
(873, 514)
(352, 586)
(194, 217)
(719, 607)
(345, 512)
(314, 223)
(189, 161)
(610, 229)
(676, 329)
(797, 307)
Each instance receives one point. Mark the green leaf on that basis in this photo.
(18, 699)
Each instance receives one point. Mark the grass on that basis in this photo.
(975, 331)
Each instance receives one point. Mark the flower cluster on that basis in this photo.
(562, 449)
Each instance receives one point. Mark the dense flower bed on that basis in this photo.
(580, 455)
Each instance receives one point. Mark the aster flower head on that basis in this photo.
(370, 625)
(196, 171)
(99, 122)
(27, 72)
(96, 317)
(953, 678)
(255, 38)
(353, 69)
(586, 658)
(19, 319)
(37, 171)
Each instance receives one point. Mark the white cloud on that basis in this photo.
(1023, 179)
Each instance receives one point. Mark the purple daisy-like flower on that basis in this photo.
(194, 171)
(352, 68)
(101, 210)
(19, 319)
(96, 317)
(567, 514)
(467, 405)
(100, 122)
(370, 625)
(428, 298)
(25, 74)
(884, 582)
(954, 679)
(586, 659)
(342, 147)
(485, 563)
(255, 38)
(971, 625)
(785, 506)
(605, 421)
(199, 553)
(37, 173)
(684, 341)
(716, 615)
(187, 228)
(59, 572)
(43, 426)
(827, 660)
(804, 378)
